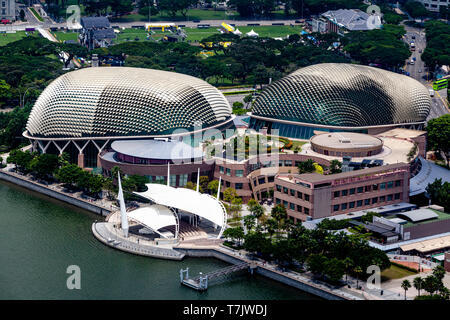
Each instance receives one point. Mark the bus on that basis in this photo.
(440, 84)
(413, 46)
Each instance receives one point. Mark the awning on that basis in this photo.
(202, 205)
(154, 217)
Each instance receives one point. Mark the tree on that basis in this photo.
(172, 7)
(21, 159)
(5, 92)
(406, 285)
(69, 174)
(431, 284)
(418, 284)
(279, 213)
(416, 9)
(44, 165)
(236, 233)
(249, 222)
(335, 166)
(439, 193)
(358, 270)
(348, 265)
(316, 263)
(438, 133)
(204, 181)
(96, 183)
(306, 166)
(247, 100)
(229, 194)
(22, 15)
(271, 226)
(334, 269)
(191, 185)
(213, 187)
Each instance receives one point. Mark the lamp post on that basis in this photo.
(22, 98)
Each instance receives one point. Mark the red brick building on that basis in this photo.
(315, 196)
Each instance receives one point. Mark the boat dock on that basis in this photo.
(200, 283)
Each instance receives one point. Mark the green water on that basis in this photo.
(40, 237)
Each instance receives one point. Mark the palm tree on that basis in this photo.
(358, 272)
(418, 283)
(348, 262)
(406, 285)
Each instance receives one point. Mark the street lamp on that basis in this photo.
(22, 98)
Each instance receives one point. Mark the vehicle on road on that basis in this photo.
(420, 70)
(412, 46)
(431, 92)
(440, 84)
(420, 51)
(412, 62)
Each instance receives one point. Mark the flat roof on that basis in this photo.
(428, 245)
(156, 149)
(402, 133)
(316, 177)
(346, 140)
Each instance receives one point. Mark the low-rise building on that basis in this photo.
(312, 195)
(8, 10)
(344, 20)
(434, 5)
(96, 32)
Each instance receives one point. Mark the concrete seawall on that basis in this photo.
(54, 194)
(266, 272)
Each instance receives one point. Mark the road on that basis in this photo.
(419, 72)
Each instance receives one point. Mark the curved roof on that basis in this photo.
(428, 173)
(121, 101)
(156, 149)
(418, 215)
(345, 95)
(187, 200)
(154, 217)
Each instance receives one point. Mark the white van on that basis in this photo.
(431, 92)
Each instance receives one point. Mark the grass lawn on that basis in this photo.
(196, 34)
(272, 31)
(63, 36)
(6, 38)
(36, 14)
(395, 272)
(296, 144)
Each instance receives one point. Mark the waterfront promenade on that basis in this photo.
(57, 191)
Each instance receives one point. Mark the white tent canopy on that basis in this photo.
(154, 217)
(252, 33)
(237, 32)
(202, 205)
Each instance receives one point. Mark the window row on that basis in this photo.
(366, 202)
(368, 188)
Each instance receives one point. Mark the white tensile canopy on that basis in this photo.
(252, 34)
(202, 205)
(155, 217)
(237, 32)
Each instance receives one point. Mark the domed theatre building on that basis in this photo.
(103, 117)
(337, 97)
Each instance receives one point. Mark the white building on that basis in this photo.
(8, 10)
(434, 5)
